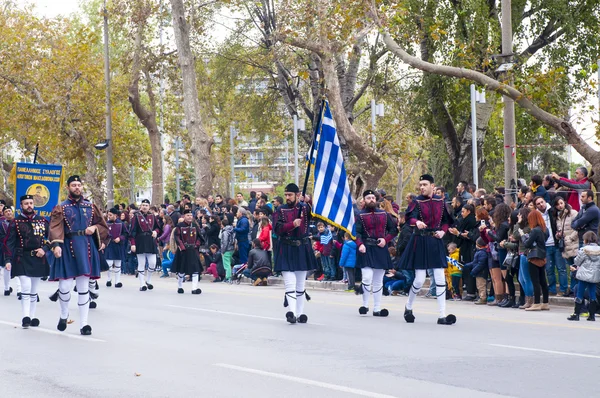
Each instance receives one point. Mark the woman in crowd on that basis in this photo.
(567, 237)
(500, 234)
(535, 241)
(494, 265)
(265, 233)
(465, 235)
(514, 247)
(212, 227)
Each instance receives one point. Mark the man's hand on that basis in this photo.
(571, 267)
(57, 252)
(40, 252)
(453, 231)
(154, 234)
(502, 244)
(465, 234)
(440, 234)
(381, 242)
(362, 249)
(117, 240)
(421, 225)
(555, 176)
(90, 230)
(8, 266)
(297, 222)
(102, 246)
(133, 248)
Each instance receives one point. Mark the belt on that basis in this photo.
(145, 233)
(30, 251)
(424, 232)
(370, 242)
(294, 242)
(75, 233)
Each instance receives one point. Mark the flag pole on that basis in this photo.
(37, 147)
(312, 146)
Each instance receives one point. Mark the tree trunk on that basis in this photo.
(147, 116)
(91, 178)
(201, 142)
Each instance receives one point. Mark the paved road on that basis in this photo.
(233, 341)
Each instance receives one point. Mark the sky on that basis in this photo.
(52, 8)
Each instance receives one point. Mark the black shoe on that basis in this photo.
(54, 296)
(447, 320)
(302, 319)
(75, 288)
(150, 287)
(93, 295)
(408, 316)
(197, 291)
(97, 287)
(86, 330)
(385, 292)
(62, 324)
(289, 316)
(8, 292)
(119, 285)
(37, 298)
(363, 310)
(592, 311)
(19, 296)
(108, 283)
(44, 278)
(382, 313)
(469, 297)
(143, 289)
(35, 322)
(93, 304)
(26, 322)
(180, 291)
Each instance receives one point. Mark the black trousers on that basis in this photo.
(351, 277)
(538, 277)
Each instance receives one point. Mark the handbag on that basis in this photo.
(536, 256)
(560, 245)
(511, 260)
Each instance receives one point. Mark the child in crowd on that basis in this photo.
(587, 267)
(324, 246)
(215, 261)
(453, 272)
(348, 260)
(167, 261)
(478, 268)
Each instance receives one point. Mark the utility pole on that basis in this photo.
(161, 131)
(476, 97)
(110, 192)
(177, 147)
(510, 141)
(231, 137)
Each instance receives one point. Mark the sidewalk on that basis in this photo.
(339, 286)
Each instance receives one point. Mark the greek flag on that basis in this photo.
(332, 201)
(454, 262)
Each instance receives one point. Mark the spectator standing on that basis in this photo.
(212, 230)
(535, 241)
(465, 235)
(462, 191)
(242, 230)
(577, 186)
(566, 237)
(241, 202)
(227, 237)
(554, 260)
(265, 233)
(348, 260)
(587, 267)
(538, 189)
(588, 217)
(324, 246)
(252, 203)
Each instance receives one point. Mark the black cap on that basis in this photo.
(115, 211)
(2, 202)
(146, 201)
(25, 197)
(73, 178)
(293, 188)
(187, 211)
(426, 177)
(369, 192)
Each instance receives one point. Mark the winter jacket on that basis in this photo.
(348, 258)
(166, 235)
(541, 191)
(479, 264)
(563, 224)
(517, 244)
(217, 259)
(326, 242)
(588, 263)
(536, 238)
(259, 261)
(242, 229)
(212, 234)
(576, 187)
(227, 239)
(587, 220)
(453, 269)
(405, 234)
(265, 237)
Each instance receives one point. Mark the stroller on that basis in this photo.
(238, 270)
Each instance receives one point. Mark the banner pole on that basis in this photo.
(37, 146)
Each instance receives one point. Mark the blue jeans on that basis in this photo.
(555, 261)
(431, 282)
(328, 267)
(570, 261)
(524, 278)
(591, 287)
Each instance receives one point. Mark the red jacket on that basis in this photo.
(265, 237)
(573, 195)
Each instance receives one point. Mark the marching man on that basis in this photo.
(115, 251)
(25, 257)
(295, 256)
(187, 257)
(77, 229)
(374, 230)
(143, 233)
(430, 220)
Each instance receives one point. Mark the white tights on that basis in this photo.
(83, 299)
(142, 258)
(440, 289)
(114, 268)
(372, 282)
(29, 288)
(6, 278)
(295, 293)
(181, 278)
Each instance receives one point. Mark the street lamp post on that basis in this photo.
(376, 110)
(109, 152)
(231, 149)
(298, 126)
(476, 97)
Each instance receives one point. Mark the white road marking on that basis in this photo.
(329, 386)
(236, 314)
(55, 332)
(572, 354)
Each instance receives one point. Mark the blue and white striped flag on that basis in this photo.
(454, 262)
(332, 201)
